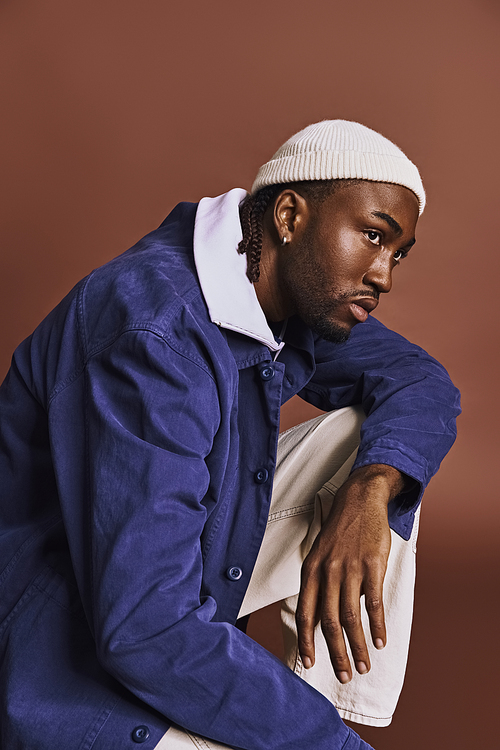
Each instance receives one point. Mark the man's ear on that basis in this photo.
(290, 216)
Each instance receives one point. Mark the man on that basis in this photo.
(139, 432)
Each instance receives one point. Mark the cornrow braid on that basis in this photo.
(252, 212)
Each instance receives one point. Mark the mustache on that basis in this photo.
(359, 293)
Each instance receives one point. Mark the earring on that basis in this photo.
(284, 240)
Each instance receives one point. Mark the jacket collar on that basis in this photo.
(231, 299)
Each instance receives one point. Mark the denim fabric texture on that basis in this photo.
(137, 451)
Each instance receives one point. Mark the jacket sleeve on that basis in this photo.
(151, 416)
(409, 400)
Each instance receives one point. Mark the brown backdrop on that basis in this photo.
(113, 110)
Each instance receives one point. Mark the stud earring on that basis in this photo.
(284, 240)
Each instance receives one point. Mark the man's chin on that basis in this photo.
(333, 332)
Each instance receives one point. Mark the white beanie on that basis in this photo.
(339, 149)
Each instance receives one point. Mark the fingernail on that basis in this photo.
(307, 662)
(379, 643)
(361, 667)
(344, 677)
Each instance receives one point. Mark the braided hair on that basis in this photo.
(254, 207)
(252, 212)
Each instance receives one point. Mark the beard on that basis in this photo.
(316, 303)
(313, 302)
(319, 316)
(327, 330)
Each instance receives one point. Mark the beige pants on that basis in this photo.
(314, 459)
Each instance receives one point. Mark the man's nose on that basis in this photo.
(379, 274)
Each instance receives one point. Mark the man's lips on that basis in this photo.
(362, 307)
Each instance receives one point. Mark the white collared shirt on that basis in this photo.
(230, 296)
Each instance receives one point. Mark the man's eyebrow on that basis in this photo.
(392, 222)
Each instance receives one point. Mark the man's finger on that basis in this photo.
(306, 617)
(331, 626)
(350, 617)
(374, 604)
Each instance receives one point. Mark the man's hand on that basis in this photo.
(348, 559)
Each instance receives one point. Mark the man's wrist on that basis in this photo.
(390, 480)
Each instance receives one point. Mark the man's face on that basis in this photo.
(333, 272)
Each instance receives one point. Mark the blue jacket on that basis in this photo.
(137, 450)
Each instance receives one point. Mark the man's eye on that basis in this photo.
(399, 255)
(374, 236)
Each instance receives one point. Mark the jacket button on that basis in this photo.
(140, 734)
(267, 373)
(261, 476)
(234, 573)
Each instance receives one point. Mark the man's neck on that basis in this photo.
(268, 288)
